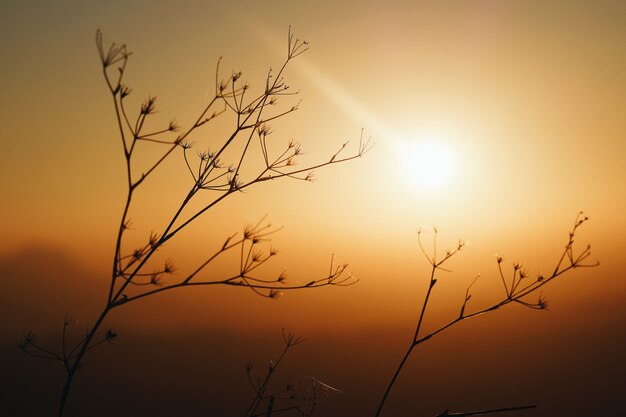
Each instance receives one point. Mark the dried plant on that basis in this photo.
(218, 173)
(307, 393)
(517, 288)
(245, 157)
(260, 387)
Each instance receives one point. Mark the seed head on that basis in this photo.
(125, 91)
(110, 335)
(155, 279)
(169, 267)
(274, 293)
(27, 340)
(148, 106)
(173, 126)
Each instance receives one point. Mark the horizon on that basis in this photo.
(515, 110)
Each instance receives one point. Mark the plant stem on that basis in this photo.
(76, 364)
(393, 380)
(413, 342)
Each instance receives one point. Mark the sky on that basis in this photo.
(515, 108)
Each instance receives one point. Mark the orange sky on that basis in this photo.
(527, 95)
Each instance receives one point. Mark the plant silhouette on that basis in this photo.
(517, 288)
(302, 396)
(217, 175)
(242, 159)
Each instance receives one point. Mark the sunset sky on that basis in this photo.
(496, 121)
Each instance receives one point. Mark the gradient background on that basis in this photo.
(530, 95)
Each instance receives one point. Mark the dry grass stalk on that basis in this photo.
(517, 289)
(216, 176)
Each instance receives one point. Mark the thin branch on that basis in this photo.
(513, 295)
(447, 413)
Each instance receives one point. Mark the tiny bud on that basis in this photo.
(110, 335)
(169, 267)
(148, 106)
(155, 279)
(275, 294)
(173, 126)
(124, 91)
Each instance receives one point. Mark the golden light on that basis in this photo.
(428, 163)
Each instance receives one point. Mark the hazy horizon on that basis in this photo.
(515, 108)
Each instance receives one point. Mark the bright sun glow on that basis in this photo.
(430, 164)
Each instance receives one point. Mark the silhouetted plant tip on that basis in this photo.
(517, 289)
(468, 296)
(228, 167)
(261, 386)
(29, 345)
(110, 335)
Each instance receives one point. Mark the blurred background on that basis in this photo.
(526, 98)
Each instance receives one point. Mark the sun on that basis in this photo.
(428, 163)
